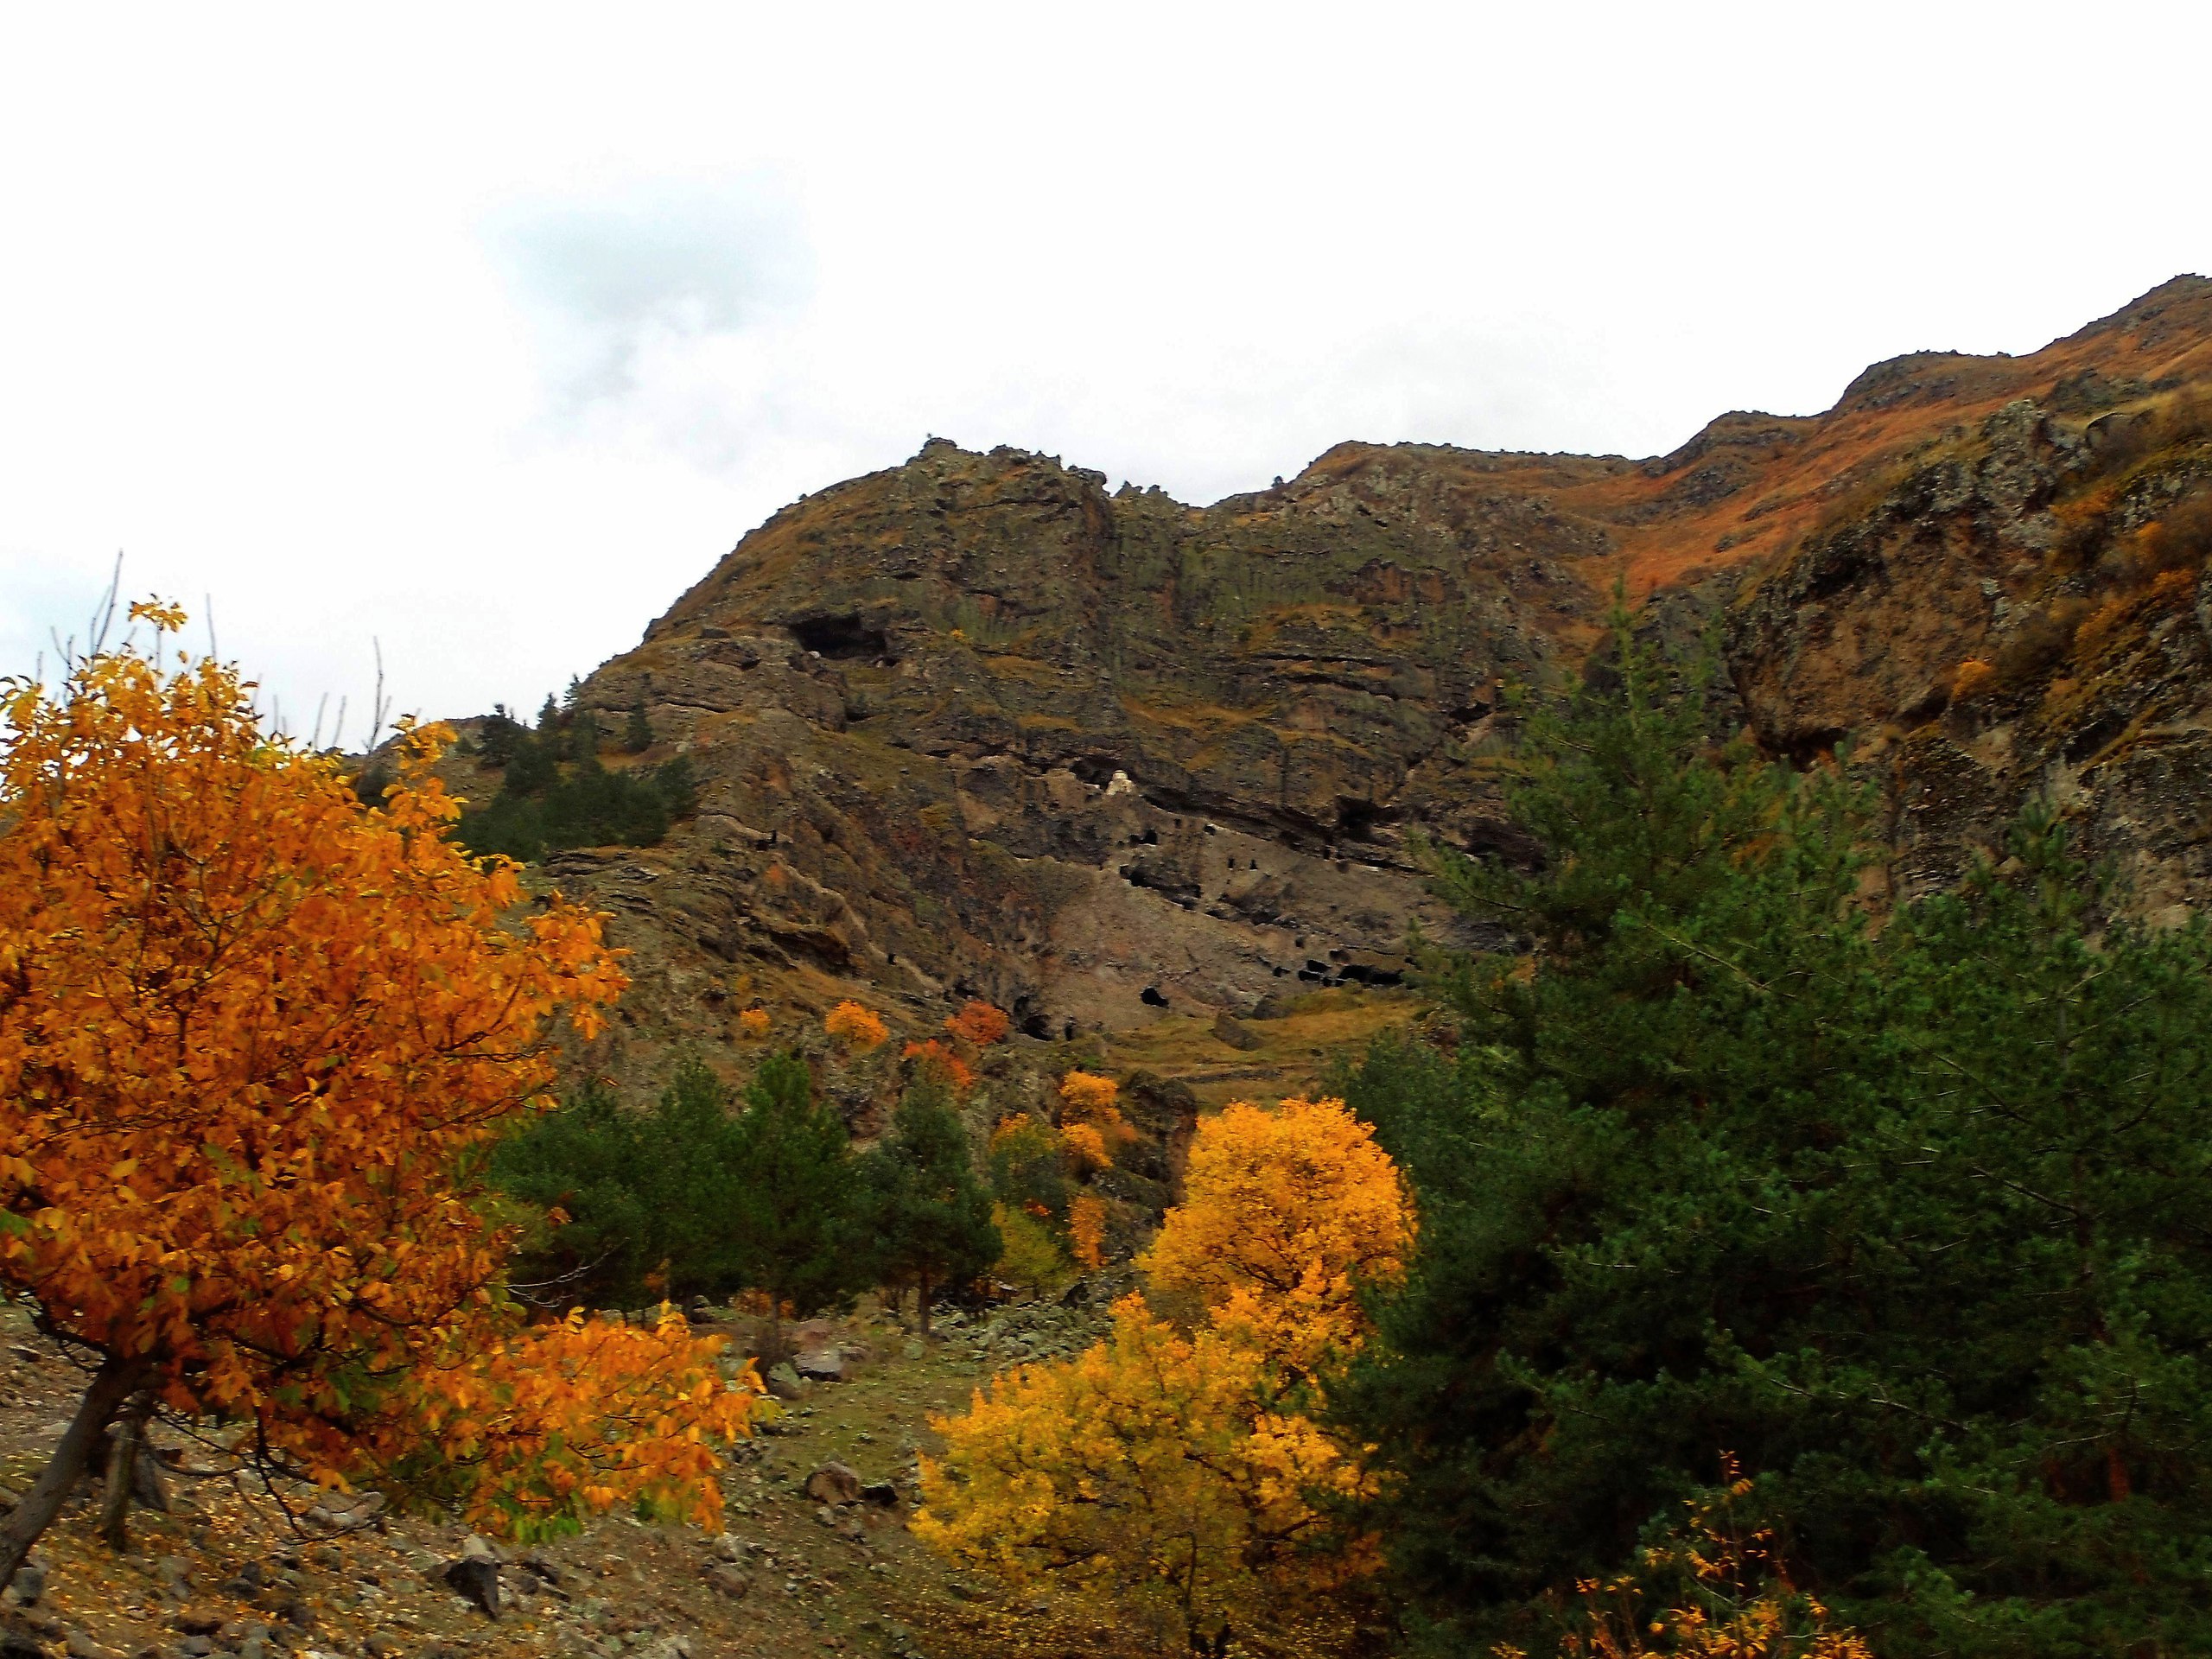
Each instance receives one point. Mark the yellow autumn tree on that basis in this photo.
(250, 1028)
(1085, 1094)
(1091, 1122)
(1284, 1214)
(1174, 1475)
(851, 1023)
(1143, 1474)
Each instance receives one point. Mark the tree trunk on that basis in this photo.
(125, 1449)
(116, 1381)
(922, 1301)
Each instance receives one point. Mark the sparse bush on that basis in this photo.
(2180, 538)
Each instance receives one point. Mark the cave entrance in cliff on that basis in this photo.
(1357, 818)
(843, 637)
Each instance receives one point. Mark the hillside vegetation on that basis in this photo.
(1045, 1071)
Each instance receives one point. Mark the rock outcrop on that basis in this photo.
(977, 727)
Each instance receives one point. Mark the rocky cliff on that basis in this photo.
(977, 726)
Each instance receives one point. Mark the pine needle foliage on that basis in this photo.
(927, 1215)
(1910, 1218)
(556, 793)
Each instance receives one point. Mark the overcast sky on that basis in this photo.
(483, 331)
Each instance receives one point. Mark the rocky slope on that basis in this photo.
(977, 726)
(805, 1567)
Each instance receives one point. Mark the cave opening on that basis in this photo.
(845, 638)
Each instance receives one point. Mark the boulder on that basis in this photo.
(1234, 1032)
(834, 1483)
(728, 1580)
(345, 1512)
(786, 1384)
(475, 1576)
(821, 1366)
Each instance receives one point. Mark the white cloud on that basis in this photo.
(483, 332)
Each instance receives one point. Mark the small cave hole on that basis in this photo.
(842, 638)
(1151, 997)
(1356, 818)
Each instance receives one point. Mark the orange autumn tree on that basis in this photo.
(249, 1028)
(545, 1425)
(934, 1056)
(1087, 1231)
(1178, 1476)
(849, 1022)
(979, 1023)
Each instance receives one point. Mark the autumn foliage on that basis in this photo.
(552, 1424)
(978, 1023)
(1735, 1601)
(1087, 1229)
(1285, 1214)
(934, 1056)
(1179, 1475)
(1084, 1094)
(850, 1023)
(1091, 1124)
(249, 1028)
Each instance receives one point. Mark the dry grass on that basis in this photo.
(1293, 1055)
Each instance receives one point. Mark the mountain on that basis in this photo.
(977, 726)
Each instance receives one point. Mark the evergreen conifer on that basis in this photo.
(1908, 1220)
(793, 1203)
(929, 1217)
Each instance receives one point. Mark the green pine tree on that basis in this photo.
(638, 730)
(929, 1217)
(650, 1194)
(793, 1204)
(1907, 1219)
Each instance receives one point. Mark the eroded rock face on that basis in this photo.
(2013, 613)
(976, 727)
